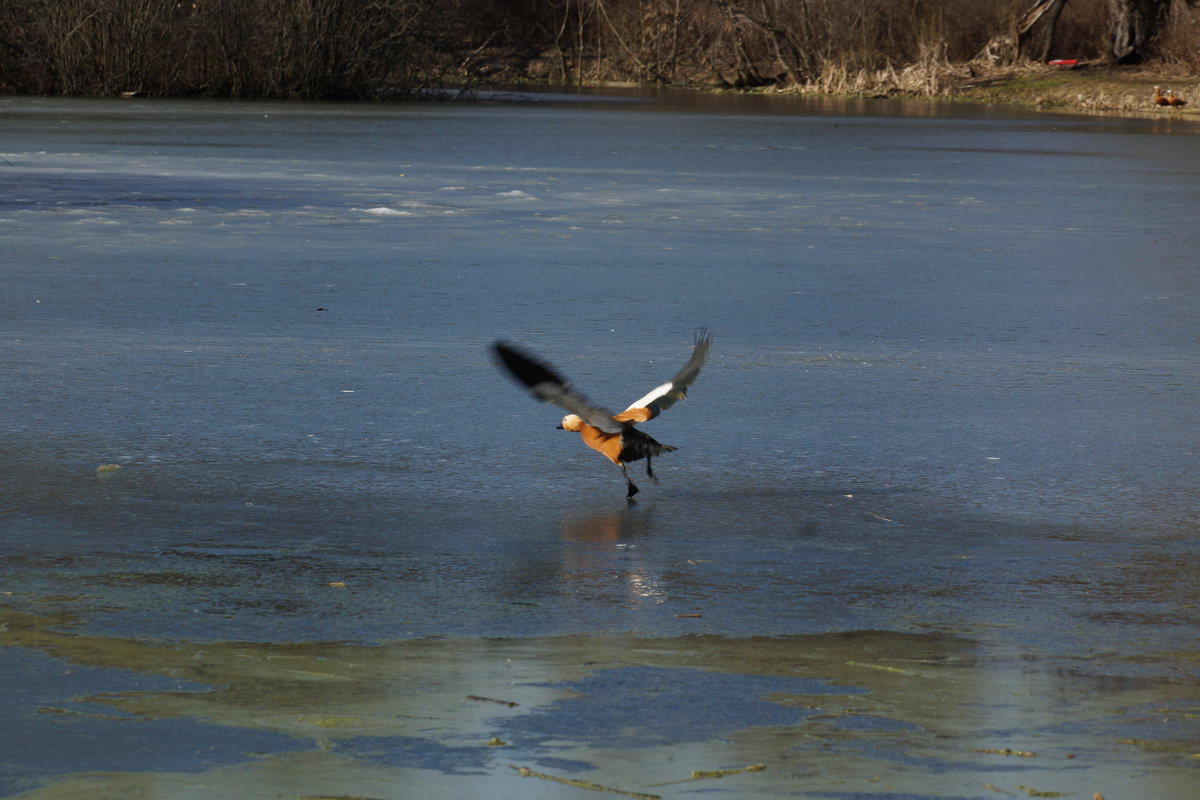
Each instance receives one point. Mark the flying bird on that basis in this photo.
(612, 435)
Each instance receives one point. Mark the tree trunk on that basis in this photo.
(1136, 24)
(1035, 30)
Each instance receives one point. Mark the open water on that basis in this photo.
(930, 530)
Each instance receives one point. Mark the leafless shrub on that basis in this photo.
(234, 48)
(1179, 45)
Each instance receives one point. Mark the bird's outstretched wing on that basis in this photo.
(661, 398)
(548, 386)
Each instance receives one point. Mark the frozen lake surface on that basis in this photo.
(930, 530)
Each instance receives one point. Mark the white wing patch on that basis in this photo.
(662, 397)
(654, 394)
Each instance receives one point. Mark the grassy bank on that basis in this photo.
(1096, 88)
(1087, 88)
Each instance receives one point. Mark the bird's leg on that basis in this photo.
(633, 489)
(650, 471)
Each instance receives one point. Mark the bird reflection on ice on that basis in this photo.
(608, 557)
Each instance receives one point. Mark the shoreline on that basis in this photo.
(1085, 88)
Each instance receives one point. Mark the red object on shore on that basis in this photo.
(1063, 62)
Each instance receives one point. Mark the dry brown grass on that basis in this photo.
(931, 75)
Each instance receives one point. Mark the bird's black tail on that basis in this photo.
(638, 445)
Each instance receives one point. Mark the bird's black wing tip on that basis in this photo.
(502, 346)
(524, 367)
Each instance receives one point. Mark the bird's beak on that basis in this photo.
(559, 426)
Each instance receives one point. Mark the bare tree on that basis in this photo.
(397, 48)
(769, 34)
(1135, 28)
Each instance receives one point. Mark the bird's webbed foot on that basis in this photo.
(630, 485)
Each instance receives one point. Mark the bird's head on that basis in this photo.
(571, 422)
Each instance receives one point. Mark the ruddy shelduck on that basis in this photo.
(1159, 98)
(612, 435)
(1175, 101)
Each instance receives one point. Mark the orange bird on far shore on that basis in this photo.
(612, 435)
(1159, 99)
(1175, 102)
